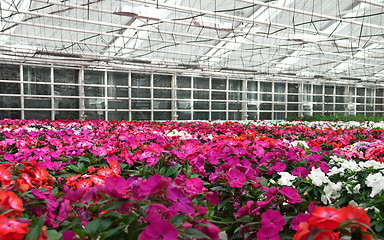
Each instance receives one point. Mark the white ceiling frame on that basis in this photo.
(180, 23)
(21, 6)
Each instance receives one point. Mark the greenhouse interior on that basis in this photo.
(189, 59)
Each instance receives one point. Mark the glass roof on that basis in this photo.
(327, 38)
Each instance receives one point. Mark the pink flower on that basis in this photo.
(209, 229)
(159, 229)
(273, 219)
(291, 195)
(213, 198)
(236, 178)
(267, 233)
(301, 172)
(194, 186)
(179, 200)
(279, 167)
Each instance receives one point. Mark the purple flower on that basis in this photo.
(316, 149)
(267, 233)
(160, 229)
(209, 229)
(69, 235)
(115, 186)
(64, 211)
(279, 167)
(154, 184)
(156, 212)
(291, 195)
(194, 186)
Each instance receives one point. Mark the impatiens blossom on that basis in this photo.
(318, 177)
(291, 195)
(286, 179)
(331, 192)
(299, 219)
(326, 217)
(159, 229)
(10, 229)
(273, 220)
(376, 182)
(236, 178)
(326, 234)
(9, 201)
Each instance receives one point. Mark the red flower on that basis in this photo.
(327, 235)
(326, 217)
(304, 233)
(8, 201)
(5, 176)
(11, 229)
(355, 214)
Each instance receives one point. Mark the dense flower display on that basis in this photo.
(190, 180)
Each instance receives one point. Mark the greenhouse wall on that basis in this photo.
(41, 92)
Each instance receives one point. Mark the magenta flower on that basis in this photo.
(213, 197)
(179, 200)
(209, 229)
(299, 219)
(279, 167)
(267, 233)
(156, 212)
(236, 178)
(301, 172)
(115, 187)
(154, 184)
(273, 220)
(160, 229)
(291, 195)
(194, 186)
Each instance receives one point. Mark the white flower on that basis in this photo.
(299, 143)
(356, 189)
(286, 179)
(353, 203)
(318, 177)
(335, 170)
(376, 182)
(332, 191)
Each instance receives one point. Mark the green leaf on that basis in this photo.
(263, 181)
(246, 219)
(173, 170)
(53, 235)
(178, 220)
(109, 234)
(116, 204)
(36, 228)
(195, 233)
(93, 227)
(379, 227)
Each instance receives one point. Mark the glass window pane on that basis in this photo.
(340, 90)
(265, 106)
(252, 96)
(218, 105)
(279, 107)
(66, 90)
(234, 95)
(218, 116)
(183, 82)
(162, 80)
(66, 115)
(252, 86)
(94, 103)
(141, 116)
(162, 115)
(234, 106)
(318, 99)
(252, 106)
(293, 88)
(252, 115)
(183, 94)
(183, 105)
(66, 75)
(317, 89)
(329, 90)
(265, 115)
(203, 105)
(328, 99)
(94, 91)
(140, 79)
(118, 104)
(280, 88)
(234, 116)
(37, 89)
(36, 74)
(266, 87)
(218, 95)
(10, 102)
(37, 102)
(266, 97)
(293, 107)
(117, 78)
(162, 105)
(39, 115)
(201, 83)
(186, 115)
(93, 77)
(94, 115)
(12, 114)
(141, 93)
(200, 115)
(10, 72)
(66, 103)
(317, 107)
(219, 84)
(118, 92)
(279, 116)
(235, 85)
(9, 88)
(279, 97)
(200, 94)
(141, 104)
(293, 98)
(118, 116)
(162, 93)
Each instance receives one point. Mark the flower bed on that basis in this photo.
(130, 180)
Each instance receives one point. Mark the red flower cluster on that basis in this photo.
(326, 222)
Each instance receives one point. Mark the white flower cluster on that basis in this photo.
(302, 144)
(182, 134)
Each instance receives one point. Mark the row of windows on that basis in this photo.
(56, 93)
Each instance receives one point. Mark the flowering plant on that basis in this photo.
(330, 223)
